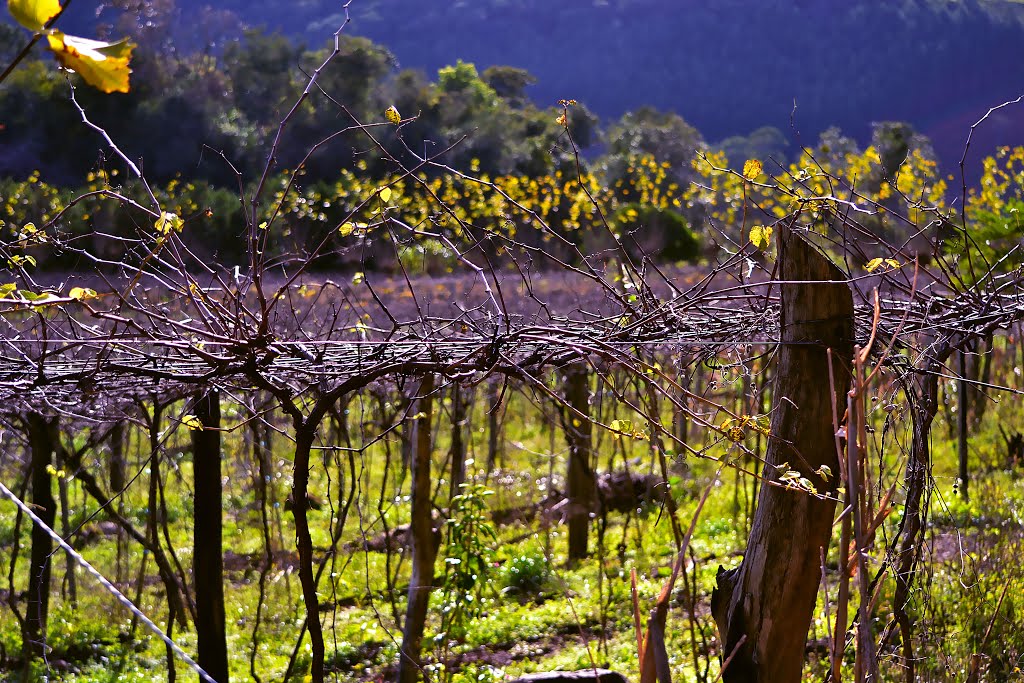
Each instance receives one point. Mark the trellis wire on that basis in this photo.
(82, 562)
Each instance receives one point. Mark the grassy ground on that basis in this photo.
(533, 611)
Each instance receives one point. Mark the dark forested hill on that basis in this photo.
(728, 66)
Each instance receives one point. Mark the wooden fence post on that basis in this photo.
(421, 533)
(581, 484)
(208, 556)
(763, 608)
(42, 433)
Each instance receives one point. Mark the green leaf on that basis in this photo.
(168, 222)
(41, 297)
(103, 65)
(7, 290)
(33, 14)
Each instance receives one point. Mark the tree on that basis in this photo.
(894, 141)
(509, 83)
(833, 148)
(10, 36)
(653, 231)
(765, 144)
(261, 70)
(664, 135)
(355, 74)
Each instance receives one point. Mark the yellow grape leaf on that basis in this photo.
(168, 222)
(33, 14)
(876, 263)
(752, 169)
(192, 422)
(385, 194)
(761, 236)
(349, 228)
(392, 115)
(82, 293)
(759, 423)
(103, 65)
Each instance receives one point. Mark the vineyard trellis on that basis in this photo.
(159, 326)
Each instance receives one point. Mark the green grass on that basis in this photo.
(537, 612)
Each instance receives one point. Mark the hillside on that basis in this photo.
(727, 67)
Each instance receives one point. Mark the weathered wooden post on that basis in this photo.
(494, 393)
(581, 484)
(763, 608)
(963, 408)
(208, 556)
(42, 435)
(421, 533)
(458, 447)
